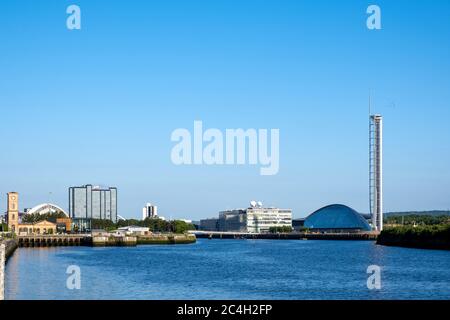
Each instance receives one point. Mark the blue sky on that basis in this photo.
(98, 105)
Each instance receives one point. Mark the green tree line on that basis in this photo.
(418, 220)
(36, 217)
(282, 229)
(155, 225)
(431, 236)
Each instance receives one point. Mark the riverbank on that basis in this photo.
(103, 240)
(10, 246)
(370, 236)
(167, 239)
(421, 237)
(154, 239)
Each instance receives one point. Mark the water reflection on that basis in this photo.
(230, 269)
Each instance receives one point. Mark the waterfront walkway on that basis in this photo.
(286, 236)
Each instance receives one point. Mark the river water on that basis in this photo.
(230, 269)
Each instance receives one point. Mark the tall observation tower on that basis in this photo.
(376, 171)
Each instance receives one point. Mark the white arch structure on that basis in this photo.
(46, 208)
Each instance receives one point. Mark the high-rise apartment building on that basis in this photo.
(93, 202)
(149, 211)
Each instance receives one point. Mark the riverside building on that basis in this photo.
(254, 219)
(92, 202)
(149, 211)
(210, 224)
(19, 228)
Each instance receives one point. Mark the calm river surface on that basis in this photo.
(231, 269)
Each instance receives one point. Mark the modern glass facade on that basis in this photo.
(88, 202)
(337, 217)
(209, 224)
(232, 220)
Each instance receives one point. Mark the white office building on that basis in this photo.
(134, 230)
(254, 219)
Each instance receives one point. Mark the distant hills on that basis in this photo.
(434, 213)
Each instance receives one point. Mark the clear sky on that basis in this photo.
(98, 105)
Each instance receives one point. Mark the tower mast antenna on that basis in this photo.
(370, 152)
(375, 168)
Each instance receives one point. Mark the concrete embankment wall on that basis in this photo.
(167, 239)
(103, 241)
(51, 240)
(10, 246)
